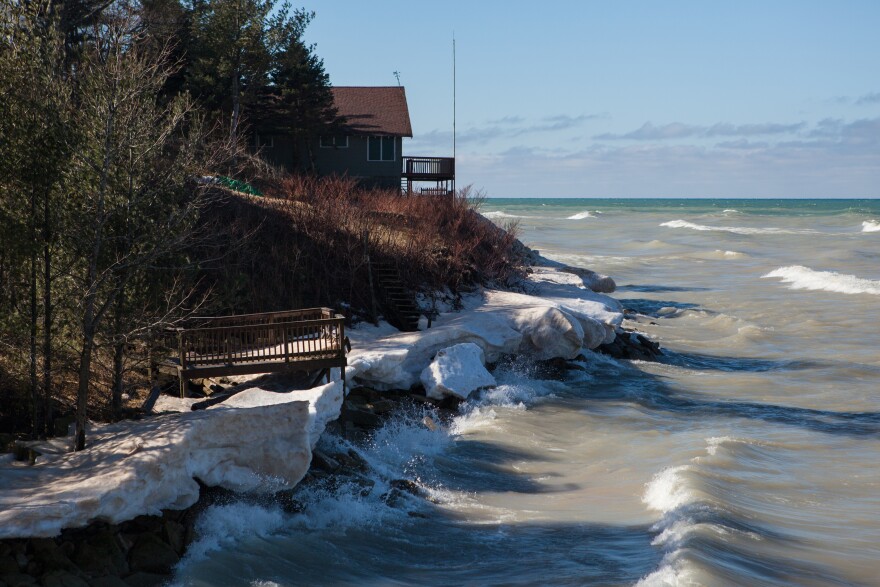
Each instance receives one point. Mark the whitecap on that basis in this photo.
(733, 229)
(580, 216)
(668, 490)
(222, 525)
(801, 277)
(870, 226)
(502, 214)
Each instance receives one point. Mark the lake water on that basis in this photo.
(747, 456)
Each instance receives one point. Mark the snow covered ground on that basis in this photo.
(261, 439)
(558, 317)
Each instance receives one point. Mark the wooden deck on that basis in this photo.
(439, 171)
(297, 340)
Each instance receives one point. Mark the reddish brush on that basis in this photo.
(309, 242)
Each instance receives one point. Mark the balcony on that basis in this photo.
(438, 170)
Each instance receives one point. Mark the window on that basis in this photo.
(334, 142)
(380, 149)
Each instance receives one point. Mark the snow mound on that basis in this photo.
(259, 440)
(458, 371)
(559, 320)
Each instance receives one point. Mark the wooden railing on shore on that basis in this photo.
(301, 340)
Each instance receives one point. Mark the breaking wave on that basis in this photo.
(801, 277)
(710, 528)
(870, 226)
(501, 214)
(580, 216)
(734, 229)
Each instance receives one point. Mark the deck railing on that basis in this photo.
(274, 337)
(428, 168)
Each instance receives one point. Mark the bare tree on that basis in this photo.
(136, 207)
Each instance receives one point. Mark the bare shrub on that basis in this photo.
(310, 239)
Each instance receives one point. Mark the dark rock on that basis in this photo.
(362, 418)
(632, 345)
(322, 461)
(98, 561)
(382, 406)
(108, 581)
(18, 580)
(62, 579)
(392, 498)
(417, 515)
(144, 524)
(50, 556)
(146, 580)
(365, 483)
(422, 399)
(407, 486)
(288, 502)
(363, 394)
(8, 564)
(174, 533)
(352, 461)
(151, 555)
(34, 568)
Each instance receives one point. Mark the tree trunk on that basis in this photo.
(90, 316)
(82, 394)
(34, 319)
(118, 358)
(236, 104)
(47, 319)
(118, 362)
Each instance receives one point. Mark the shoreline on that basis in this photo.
(558, 317)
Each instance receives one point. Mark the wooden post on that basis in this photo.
(181, 350)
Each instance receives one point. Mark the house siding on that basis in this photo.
(351, 161)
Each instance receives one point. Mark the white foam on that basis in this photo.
(580, 216)
(870, 226)
(668, 490)
(800, 277)
(502, 214)
(222, 525)
(733, 229)
(671, 574)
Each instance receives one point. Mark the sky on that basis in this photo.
(627, 98)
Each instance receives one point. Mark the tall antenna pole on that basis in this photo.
(453, 94)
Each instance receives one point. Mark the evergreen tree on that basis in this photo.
(247, 57)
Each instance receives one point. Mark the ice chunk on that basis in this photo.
(458, 371)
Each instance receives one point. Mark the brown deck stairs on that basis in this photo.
(397, 301)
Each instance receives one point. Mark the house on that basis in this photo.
(368, 145)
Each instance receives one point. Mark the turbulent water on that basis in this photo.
(747, 456)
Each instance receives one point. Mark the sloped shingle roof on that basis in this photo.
(374, 110)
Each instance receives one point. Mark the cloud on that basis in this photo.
(833, 158)
(507, 127)
(649, 132)
(678, 130)
(743, 144)
(872, 98)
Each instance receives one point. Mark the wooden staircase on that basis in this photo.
(398, 302)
